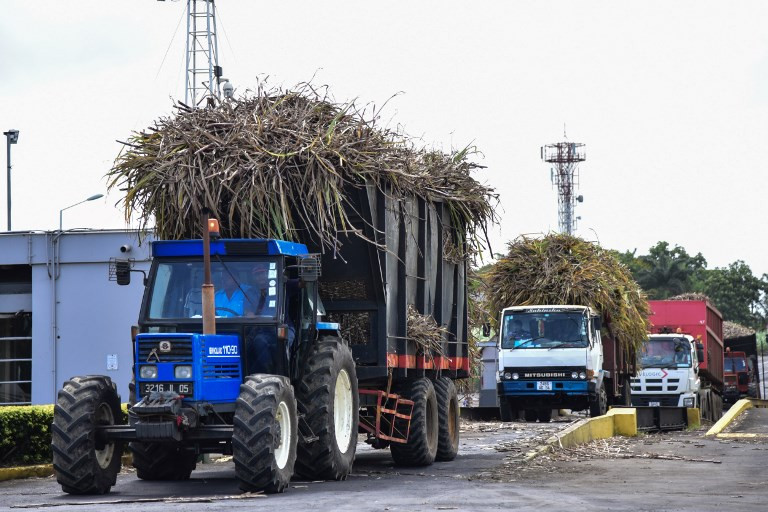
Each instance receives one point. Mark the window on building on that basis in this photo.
(15, 358)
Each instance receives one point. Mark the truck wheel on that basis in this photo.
(264, 434)
(544, 415)
(421, 448)
(531, 415)
(162, 461)
(83, 463)
(599, 406)
(505, 410)
(328, 400)
(447, 419)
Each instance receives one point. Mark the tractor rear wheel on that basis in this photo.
(329, 402)
(85, 464)
(421, 448)
(447, 419)
(162, 461)
(264, 434)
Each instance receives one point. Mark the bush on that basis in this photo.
(25, 434)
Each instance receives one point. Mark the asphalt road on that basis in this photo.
(674, 471)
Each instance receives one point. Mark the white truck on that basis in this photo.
(555, 357)
(669, 375)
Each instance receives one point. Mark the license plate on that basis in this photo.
(543, 385)
(654, 404)
(182, 388)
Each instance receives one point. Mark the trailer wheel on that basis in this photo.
(83, 463)
(531, 415)
(599, 406)
(264, 434)
(447, 419)
(162, 461)
(421, 448)
(329, 402)
(544, 415)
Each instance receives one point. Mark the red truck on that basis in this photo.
(682, 362)
(736, 375)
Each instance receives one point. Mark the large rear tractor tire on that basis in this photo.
(328, 399)
(162, 461)
(83, 463)
(600, 406)
(447, 419)
(264, 434)
(421, 448)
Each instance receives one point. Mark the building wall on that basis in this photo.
(80, 317)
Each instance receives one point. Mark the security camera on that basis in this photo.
(125, 248)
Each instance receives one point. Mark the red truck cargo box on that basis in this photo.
(701, 320)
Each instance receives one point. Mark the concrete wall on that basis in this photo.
(80, 318)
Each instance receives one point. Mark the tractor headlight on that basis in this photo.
(688, 402)
(148, 371)
(582, 375)
(183, 372)
(515, 376)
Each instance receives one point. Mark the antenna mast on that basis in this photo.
(203, 70)
(566, 157)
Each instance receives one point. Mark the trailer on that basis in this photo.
(742, 373)
(308, 349)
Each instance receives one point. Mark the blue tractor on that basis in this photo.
(268, 382)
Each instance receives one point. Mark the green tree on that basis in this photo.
(665, 272)
(737, 293)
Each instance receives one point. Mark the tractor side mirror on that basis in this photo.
(309, 268)
(700, 352)
(123, 272)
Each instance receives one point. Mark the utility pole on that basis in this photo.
(12, 137)
(566, 157)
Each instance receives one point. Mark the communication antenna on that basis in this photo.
(565, 156)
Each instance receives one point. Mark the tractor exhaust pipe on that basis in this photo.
(208, 299)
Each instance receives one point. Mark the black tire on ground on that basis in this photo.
(162, 461)
(447, 419)
(531, 415)
(421, 448)
(505, 410)
(329, 401)
(83, 465)
(544, 415)
(599, 406)
(264, 434)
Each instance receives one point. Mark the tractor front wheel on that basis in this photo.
(84, 463)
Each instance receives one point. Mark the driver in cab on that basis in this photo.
(230, 300)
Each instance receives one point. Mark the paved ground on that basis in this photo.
(751, 421)
(678, 471)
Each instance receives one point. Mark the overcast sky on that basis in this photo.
(670, 98)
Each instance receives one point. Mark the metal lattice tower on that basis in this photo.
(203, 70)
(565, 175)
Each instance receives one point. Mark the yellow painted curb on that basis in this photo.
(743, 435)
(694, 417)
(735, 410)
(616, 422)
(41, 470)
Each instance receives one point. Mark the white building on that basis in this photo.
(60, 315)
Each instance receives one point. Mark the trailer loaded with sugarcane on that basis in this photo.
(324, 298)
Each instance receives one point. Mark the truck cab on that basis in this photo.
(670, 372)
(550, 357)
(736, 374)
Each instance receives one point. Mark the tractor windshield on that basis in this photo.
(666, 353)
(242, 289)
(544, 330)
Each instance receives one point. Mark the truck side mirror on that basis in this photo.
(123, 272)
(598, 323)
(700, 352)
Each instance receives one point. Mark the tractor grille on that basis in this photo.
(181, 350)
(221, 371)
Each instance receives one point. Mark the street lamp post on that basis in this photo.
(12, 137)
(61, 212)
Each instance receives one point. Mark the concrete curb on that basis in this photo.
(40, 470)
(734, 412)
(616, 422)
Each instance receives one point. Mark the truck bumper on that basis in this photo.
(564, 394)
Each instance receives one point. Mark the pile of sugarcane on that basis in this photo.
(281, 164)
(563, 269)
(734, 330)
(690, 296)
(423, 329)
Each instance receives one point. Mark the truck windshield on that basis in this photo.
(243, 288)
(525, 330)
(666, 353)
(734, 364)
